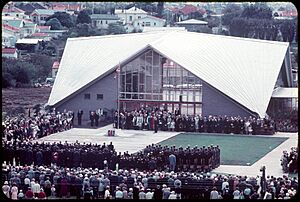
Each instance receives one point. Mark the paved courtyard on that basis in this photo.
(134, 140)
(127, 140)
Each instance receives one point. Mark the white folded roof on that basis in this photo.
(243, 69)
(285, 93)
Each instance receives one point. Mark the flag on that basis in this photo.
(117, 71)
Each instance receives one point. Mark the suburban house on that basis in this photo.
(193, 25)
(285, 15)
(184, 13)
(26, 45)
(101, 21)
(130, 15)
(30, 7)
(10, 35)
(14, 12)
(66, 6)
(39, 16)
(15, 28)
(148, 21)
(9, 53)
(41, 35)
(135, 18)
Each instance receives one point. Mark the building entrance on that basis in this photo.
(185, 108)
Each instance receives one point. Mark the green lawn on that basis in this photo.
(235, 149)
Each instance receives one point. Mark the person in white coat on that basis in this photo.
(36, 188)
(173, 195)
(14, 192)
(6, 189)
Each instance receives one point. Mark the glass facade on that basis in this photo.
(154, 80)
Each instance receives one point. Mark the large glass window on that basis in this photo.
(152, 77)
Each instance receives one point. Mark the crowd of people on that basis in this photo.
(23, 128)
(167, 121)
(46, 182)
(101, 156)
(289, 161)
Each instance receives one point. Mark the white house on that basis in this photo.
(9, 53)
(39, 16)
(102, 21)
(130, 15)
(148, 21)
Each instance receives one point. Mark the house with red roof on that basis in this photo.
(10, 35)
(188, 10)
(9, 53)
(11, 10)
(66, 6)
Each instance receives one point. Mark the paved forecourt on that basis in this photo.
(125, 140)
(135, 140)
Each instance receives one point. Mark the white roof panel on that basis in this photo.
(244, 69)
(192, 22)
(285, 93)
(29, 41)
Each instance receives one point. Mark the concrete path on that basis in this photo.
(125, 140)
(134, 140)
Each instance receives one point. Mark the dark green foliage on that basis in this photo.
(83, 17)
(287, 29)
(64, 18)
(16, 72)
(160, 8)
(258, 11)
(54, 23)
(231, 11)
(116, 28)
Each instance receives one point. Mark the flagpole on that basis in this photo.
(118, 101)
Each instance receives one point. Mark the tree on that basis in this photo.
(287, 30)
(213, 21)
(259, 11)
(160, 9)
(54, 23)
(42, 66)
(116, 28)
(64, 18)
(83, 29)
(231, 11)
(83, 17)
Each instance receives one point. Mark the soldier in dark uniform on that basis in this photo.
(79, 116)
(97, 119)
(155, 123)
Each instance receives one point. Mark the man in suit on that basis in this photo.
(79, 116)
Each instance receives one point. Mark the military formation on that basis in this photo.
(153, 157)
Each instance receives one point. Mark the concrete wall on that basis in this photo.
(215, 103)
(106, 86)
